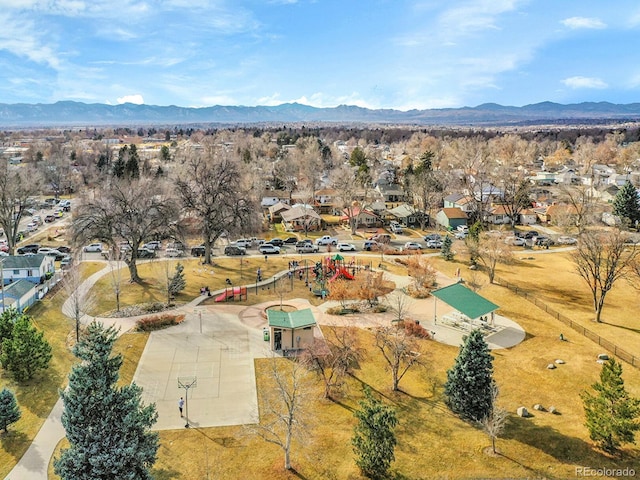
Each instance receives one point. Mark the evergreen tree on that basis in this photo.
(374, 438)
(132, 166)
(7, 320)
(120, 164)
(177, 283)
(445, 251)
(626, 204)
(469, 384)
(26, 351)
(9, 410)
(611, 414)
(108, 427)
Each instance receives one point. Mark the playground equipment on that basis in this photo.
(330, 269)
(232, 293)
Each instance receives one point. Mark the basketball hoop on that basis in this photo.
(187, 383)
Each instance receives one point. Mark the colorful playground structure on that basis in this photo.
(328, 270)
(232, 294)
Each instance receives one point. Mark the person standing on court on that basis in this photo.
(180, 405)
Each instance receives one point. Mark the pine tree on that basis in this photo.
(468, 389)
(9, 410)
(26, 351)
(626, 204)
(445, 251)
(374, 438)
(177, 283)
(120, 164)
(108, 427)
(132, 167)
(611, 414)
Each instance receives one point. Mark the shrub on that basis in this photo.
(415, 329)
(158, 322)
(154, 307)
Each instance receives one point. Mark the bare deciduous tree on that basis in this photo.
(211, 189)
(79, 297)
(283, 415)
(601, 259)
(493, 424)
(333, 358)
(16, 186)
(129, 211)
(492, 250)
(400, 350)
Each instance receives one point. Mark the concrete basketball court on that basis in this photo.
(213, 346)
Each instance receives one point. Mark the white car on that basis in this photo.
(564, 240)
(94, 247)
(174, 252)
(267, 248)
(515, 241)
(346, 247)
(412, 246)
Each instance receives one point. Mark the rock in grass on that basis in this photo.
(560, 361)
(603, 356)
(538, 407)
(522, 412)
(551, 366)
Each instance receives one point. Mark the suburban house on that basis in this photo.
(325, 200)
(497, 215)
(392, 194)
(35, 268)
(290, 330)
(301, 217)
(528, 217)
(557, 214)
(19, 295)
(274, 214)
(458, 200)
(274, 196)
(364, 218)
(451, 218)
(406, 215)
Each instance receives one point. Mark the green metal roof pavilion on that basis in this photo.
(464, 300)
(292, 320)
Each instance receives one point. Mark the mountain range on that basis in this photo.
(69, 113)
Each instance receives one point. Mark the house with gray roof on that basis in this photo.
(34, 268)
(19, 295)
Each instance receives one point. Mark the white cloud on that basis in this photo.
(584, 82)
(582, 22)
(136, 98)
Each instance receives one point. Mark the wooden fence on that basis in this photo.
(603, 342)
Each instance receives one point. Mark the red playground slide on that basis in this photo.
(342, 271)
(228, 293)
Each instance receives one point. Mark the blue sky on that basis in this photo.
(401, 54)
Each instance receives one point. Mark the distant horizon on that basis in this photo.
(328, 107)
(402, 55)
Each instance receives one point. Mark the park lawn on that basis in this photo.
(432, 443)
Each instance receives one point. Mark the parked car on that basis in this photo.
(565, 240)
(66, 261)
(37, 219)
(153, 245)
(461, 235)
(50, 218)
(243, 243)
(515, 241)
(64, 249)
(544, 242)
(370, 245)
(94, 247)
(198, 251)
(531, 234)
(432, 236)
(412, 246)
(32, 248)
(381, 238)
(234, 250)
(434, 244)
(306, 241)
(174, 252)
(306, 248)
(395, 227)
(146, 253)
(346, 247)
(32, 227)
(291, 240)
(278, 242)
(56, 254)
(268, 248)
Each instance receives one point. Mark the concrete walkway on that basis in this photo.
(34, 463)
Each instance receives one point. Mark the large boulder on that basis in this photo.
(603, 356)
(522, 412)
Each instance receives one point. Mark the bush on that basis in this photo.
(158, 322)
(415, 329)
(154, 307)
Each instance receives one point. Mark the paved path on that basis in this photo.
(225, 410)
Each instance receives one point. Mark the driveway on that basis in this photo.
(213, 347)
